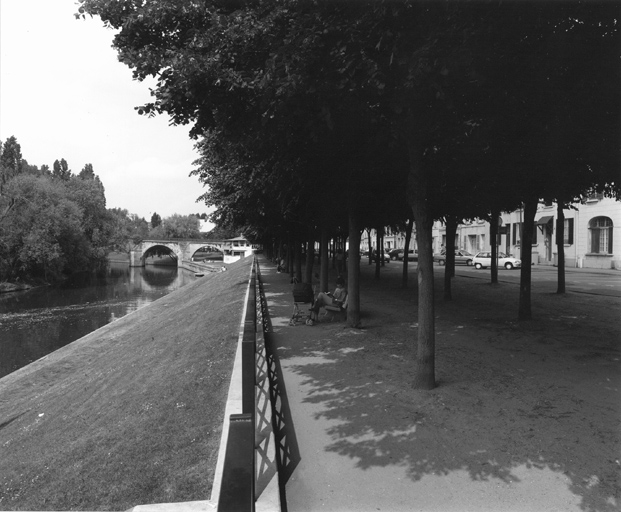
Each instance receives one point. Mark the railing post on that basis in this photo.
(249, 350)
(237, 493)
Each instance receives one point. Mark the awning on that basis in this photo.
(544, 220)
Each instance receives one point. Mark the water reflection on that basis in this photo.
(37, 322)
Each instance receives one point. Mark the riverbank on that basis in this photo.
(129, 414)
(13, 287)
(113, 257)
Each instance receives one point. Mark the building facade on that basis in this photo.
(592, 235)
(392, 240)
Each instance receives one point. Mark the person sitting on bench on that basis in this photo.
(330, 299)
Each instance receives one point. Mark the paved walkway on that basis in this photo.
(321, 478)
(337, 460)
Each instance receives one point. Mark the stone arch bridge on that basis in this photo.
(183, 249)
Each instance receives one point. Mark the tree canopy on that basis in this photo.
(339, 115)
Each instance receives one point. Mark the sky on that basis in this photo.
(64, 94)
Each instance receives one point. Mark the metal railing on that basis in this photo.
(261, 444)
(237, 491)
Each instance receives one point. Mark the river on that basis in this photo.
(36, 322)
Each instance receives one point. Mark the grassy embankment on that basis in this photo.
(130, 414)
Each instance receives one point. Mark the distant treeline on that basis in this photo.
(54, 222)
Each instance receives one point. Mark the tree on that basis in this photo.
(325, 69)
(156, 220)
(177, 226)
(558, 126)
(87, 173)
(221, 233)
(408, 237)
(89, 195)
(10, 166)
(42, 245)
(287, 96)
(126, 229)
(10, 159)
(51, 223)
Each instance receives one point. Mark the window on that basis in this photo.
(600, 232)
(568, 232)
(534, 240)
(517, 233)
(472, 243)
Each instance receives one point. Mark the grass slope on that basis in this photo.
(130, 414)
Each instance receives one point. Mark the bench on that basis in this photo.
(332, 309)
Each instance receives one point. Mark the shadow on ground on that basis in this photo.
(529, 405)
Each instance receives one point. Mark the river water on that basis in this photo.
(36, 322)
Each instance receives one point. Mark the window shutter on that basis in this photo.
(570, 231)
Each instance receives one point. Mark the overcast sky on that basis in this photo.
(64, 94)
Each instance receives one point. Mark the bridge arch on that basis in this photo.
(159, 251)
(183, 249)
(207, 251)
(141, 252)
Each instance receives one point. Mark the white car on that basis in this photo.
(484, 259)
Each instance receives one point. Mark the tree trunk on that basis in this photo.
(353, 273)
(418, 194)
(310, 256)
(560, 247)
(378, 241)
(323, 266)
(289, 250)
(424, 370)
(493, 235)
(408, 238)
(369, 245)
(449, 269)
(297, 256)
(526, 255)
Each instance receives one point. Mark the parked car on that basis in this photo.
(461, 258)
(384, 255)
(365, 254)
(484, 259)
(399, 254)
(412, 255)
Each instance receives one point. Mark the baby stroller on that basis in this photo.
(303, 293)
